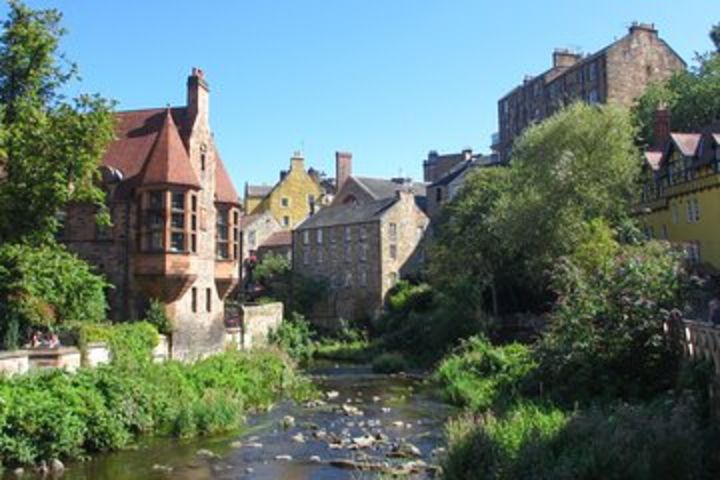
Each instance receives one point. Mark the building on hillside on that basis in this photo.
(360, 249)
(447, 187)
(175, 221)
(297, 195)
(354, 189)
(617, 74)
(680, 200)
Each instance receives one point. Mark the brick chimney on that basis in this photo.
(562, 57)
(661, 129)
(198, 95)
(343, 168)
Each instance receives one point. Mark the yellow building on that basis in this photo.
(681, 191)
(291, 200)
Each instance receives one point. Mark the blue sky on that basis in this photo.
(387, 80)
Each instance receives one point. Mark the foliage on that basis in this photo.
(405, 297)
(131, 344)
(357, 351)
(51, 147)
(606, 330)
(297, 292)
(60, 415)
(389, 362)
(45, 286)
(692, 96)
(156, 316)
(622, 441)
(479, 375)
(295, 337)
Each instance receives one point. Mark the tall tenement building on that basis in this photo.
(617, 74)
(175, 221)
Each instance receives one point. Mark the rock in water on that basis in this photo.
(56, 465)
(332, 394)
(288, 422)
(286, 458)
(205, 453)
(298, 438)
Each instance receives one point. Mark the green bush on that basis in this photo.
(295, 337)
(156, 316)
(619, 442)
(44, 286)
(391, 362)
(60, 415)
(479, 375)
(606, 335)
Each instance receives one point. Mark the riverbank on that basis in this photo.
(363, 421)
(59, 415)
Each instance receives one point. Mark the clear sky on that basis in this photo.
(388, 80)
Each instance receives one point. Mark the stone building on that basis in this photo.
(360, 249)
(254, 231)
(297, 194)
(617, 74)
(445, 188)
(175, 221)
(680, 200)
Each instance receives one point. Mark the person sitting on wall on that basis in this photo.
(53, 341)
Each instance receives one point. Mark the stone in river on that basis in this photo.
(286, 458)
(288, 421)
(203, 452)
(315, 459)
(332, 394)
(56, 465)
(298, 438)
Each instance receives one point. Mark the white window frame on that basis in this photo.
(319, 236)
(306, 237)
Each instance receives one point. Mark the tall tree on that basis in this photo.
(715, 36)
(51, 147)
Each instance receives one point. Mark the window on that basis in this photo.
(363, 278)
(222, 250)
(348, 253)
(193, 222)
(306, 237)
(363, 252)
(392, 231)
(203, 156)
(438, 194)
(675, 214)
(193, 301)
(649, 232)
(664, 232)
(348, 234)
(363, 232)
(332, 235)
(157, 200)
(593, 97)
(348, 279)
(177, 222)
(393, 251)
(208, 300)
(286, 221)
(251, 239)
(153, 222)
(319, 236)
(285, 202)
(692, 252)
(693, 210)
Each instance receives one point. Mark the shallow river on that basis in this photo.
(397, 411)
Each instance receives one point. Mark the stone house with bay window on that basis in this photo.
(360, 250)
(175, 221)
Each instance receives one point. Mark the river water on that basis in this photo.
(324, 442)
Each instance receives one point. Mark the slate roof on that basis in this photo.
(348, 214)
(454, 172)
(383, 188)
(258, 190)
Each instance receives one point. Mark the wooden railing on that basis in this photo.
(699, 340)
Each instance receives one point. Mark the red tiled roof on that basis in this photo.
(169, 162)
(653, 158)
(687, 143)
(224, 189)
(278, 239)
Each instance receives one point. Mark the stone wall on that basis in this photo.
(67, 358)
(256, 323)
(14, 363)
(96, 354)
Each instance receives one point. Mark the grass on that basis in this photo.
(355, 351)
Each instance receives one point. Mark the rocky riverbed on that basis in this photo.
(364, 424)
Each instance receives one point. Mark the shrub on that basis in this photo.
(295, 337)
(391, 362)
(60, 415)
(45, 286)
(623, 441)
(156, 316)
(479, 375)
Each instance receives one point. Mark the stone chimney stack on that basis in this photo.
(297, 162)
(198, 96)
(642, 28)
(562, 57)
(343, 168)
(661, 129)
